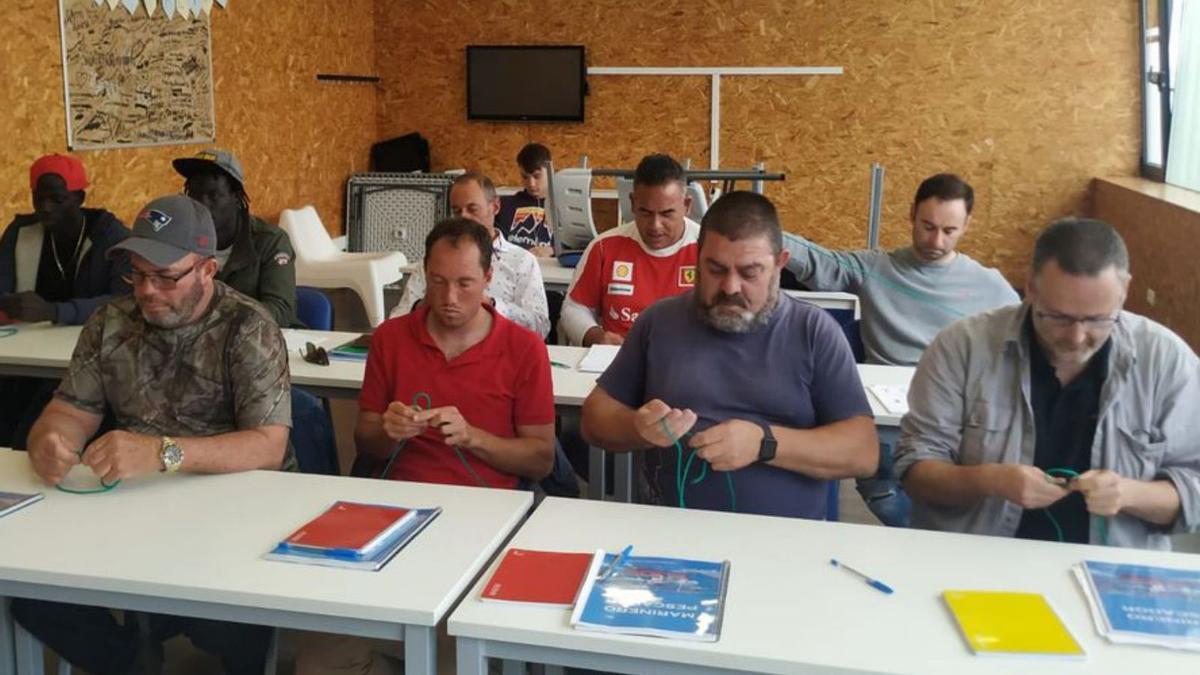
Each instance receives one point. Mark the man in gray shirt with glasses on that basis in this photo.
(1063, 418)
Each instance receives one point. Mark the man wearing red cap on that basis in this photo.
(52, 262)
(53, 267)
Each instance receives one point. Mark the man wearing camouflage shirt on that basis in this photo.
(195, 377)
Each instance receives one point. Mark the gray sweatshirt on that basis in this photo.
(905, 301)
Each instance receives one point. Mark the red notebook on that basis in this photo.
(350, 528)
(543, 577)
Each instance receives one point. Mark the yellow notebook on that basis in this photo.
(1000, 623)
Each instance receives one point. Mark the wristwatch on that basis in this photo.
(766, 449)
(171, 455)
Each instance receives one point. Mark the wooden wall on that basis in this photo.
(298, 140)
(1159, 224)
(1027, 100)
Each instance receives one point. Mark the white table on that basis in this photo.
(182, 544)
(38, 350)
(555, 277)
(44, 350)
(789, 611)
(830, 300)
(343, 379)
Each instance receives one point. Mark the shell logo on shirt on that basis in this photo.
(622, 271)
(687, 275)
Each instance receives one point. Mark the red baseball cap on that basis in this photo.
(69, 168)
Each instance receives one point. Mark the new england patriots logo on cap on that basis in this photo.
(157, 219)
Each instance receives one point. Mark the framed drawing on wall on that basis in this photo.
(135, 79)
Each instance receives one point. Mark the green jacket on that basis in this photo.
(262, 265)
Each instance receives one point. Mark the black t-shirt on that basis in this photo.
(1064, 427)
(522, 220)
(51, 284)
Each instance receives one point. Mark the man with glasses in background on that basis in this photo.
(1063, 418)
(195, 378)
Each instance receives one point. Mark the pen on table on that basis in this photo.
(873, 583)
(556, 364)
(618, 561)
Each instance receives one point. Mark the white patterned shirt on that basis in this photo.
(516, 288)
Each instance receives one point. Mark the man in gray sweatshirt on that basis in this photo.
(907, 297)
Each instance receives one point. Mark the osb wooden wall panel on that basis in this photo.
(1163, 250)
(1027, 100)
(298, 139)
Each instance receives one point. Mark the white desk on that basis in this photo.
(555, 277)
(44, 350)
(181, 544)
(830, 300)
(789, 611)
(38, 350)
(343, 379)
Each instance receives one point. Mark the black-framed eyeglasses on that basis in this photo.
(1088, 322)
(162, 282)
(314, 354)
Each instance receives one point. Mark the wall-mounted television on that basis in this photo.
(525, 83)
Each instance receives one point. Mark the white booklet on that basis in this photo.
(893, 397)
(598, 358)
(13, 501)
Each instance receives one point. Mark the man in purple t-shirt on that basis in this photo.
(761, 388)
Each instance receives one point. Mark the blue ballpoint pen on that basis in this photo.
(618, 561)
(873, 583)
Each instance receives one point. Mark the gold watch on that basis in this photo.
(171, 455)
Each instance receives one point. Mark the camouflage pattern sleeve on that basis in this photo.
(258, 371)
(83, 385)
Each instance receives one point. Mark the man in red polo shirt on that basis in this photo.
(630, 267)
(490, 419)
(490, 416)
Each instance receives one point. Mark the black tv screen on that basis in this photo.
(533, 83)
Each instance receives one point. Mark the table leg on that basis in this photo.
(420, 650)
(471, 658)
(28, 650)
(8, 649)
(596, 486)
(623, 476)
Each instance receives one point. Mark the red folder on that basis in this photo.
(543, 577)
(350, 527)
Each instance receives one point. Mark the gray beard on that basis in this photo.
(744, 321)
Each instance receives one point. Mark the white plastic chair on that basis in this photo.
(699, 201)
(319, 263)
(571, 204)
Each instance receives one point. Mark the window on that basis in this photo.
(1163, 38)
(1156, 93)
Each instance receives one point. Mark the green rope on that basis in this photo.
(104, 487)
(422, 401)
(682, 470)
(1101, 526)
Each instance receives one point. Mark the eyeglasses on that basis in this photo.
(1088, 322)
(314, 354)
(161, 282)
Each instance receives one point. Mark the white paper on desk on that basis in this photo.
(598, 358)
(295, 340)
(894, 398)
